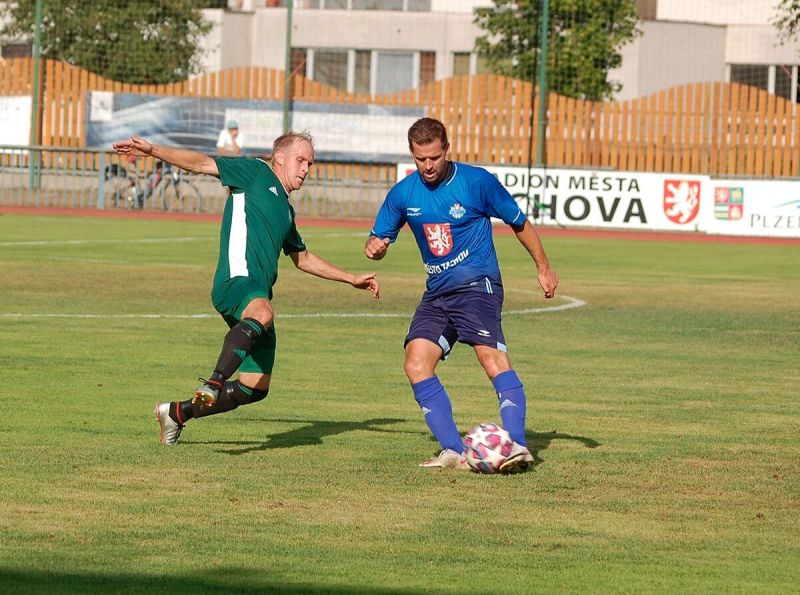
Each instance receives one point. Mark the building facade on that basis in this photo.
(381, 46)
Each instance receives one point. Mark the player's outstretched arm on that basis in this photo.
(376, 247)
(183, 158)
(528, 237)
(319, 267)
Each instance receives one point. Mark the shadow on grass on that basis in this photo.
(221, 580)
(311, 432)
(539, 441)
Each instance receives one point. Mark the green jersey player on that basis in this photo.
(258, 223)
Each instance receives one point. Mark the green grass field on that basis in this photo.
(663, 413)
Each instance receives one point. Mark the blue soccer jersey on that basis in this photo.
(451, 223)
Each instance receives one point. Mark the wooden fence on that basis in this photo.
(709, 128)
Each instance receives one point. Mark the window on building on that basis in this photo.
(481, 64)
(365, 71)
(17, 50)
(784, 85)
(330, 68)
(395, 72)
(298, 61)
(361, 80)
(755, 75)
(427, 67)
(407, 5)
(461, 61)
(419, 5)
(377, 4)
(469, 63)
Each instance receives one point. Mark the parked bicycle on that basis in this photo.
(127, 188)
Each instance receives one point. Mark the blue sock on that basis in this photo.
(435, 404)
(511, 397)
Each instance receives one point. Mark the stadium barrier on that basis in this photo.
(644, 201)
(37, 176)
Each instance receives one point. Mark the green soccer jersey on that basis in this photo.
(257, 223)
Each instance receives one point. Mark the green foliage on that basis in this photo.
(787, 19)
(134, 42)
(584, 38)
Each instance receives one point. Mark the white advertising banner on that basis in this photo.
(15, 120)
(755, 208)
(623, 200)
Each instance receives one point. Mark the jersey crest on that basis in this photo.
(440, 239)
(457, 211)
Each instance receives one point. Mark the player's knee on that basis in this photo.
(417, 369)
(260, 309)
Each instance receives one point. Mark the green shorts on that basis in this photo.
(230, 299)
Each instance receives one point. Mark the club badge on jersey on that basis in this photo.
(440, 239)
(457, 211)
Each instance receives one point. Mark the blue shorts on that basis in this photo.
(471, 317)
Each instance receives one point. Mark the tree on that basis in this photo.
(584, 38)
(136, 41)
(787, 20)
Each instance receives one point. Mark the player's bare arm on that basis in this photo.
(376, 247)
(528, 237)
(183, 158)
(312, 264)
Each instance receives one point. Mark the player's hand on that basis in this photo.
(376, 247)
(548, 280)
(135, 145)
(368, 281)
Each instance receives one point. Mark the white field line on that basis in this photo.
(107, 241)
(156, 240)
(570, 304)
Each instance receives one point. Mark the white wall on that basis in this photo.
(758, 45)
(719, 12)
(669, 54)
(466, 6)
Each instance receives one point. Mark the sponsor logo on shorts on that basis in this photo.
(484, 333)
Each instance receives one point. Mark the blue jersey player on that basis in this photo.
(448, 206)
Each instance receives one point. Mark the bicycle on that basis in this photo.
(127, 188)
(179, 194)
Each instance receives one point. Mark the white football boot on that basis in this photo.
(448, 459)
(170, 429)
(518, 461)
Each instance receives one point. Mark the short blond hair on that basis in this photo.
(287, 139)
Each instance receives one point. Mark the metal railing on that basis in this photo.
(53, 177)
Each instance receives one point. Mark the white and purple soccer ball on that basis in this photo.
(488, 446)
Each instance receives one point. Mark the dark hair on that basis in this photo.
(425, 131)
(287, 139)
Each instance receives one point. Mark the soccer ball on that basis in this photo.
(488, 446)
